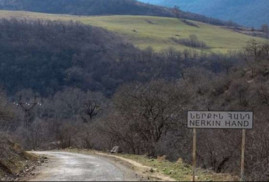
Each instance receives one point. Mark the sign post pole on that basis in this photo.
(243, 154)
(220, 120)
(194, 155)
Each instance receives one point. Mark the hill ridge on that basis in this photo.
(246, 12)
(102, 7)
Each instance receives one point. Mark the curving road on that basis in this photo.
(65, 166)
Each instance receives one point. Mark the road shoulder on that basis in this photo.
(145, 173)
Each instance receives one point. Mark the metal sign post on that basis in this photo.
(194, 155)
(243, 154)
(220, 120)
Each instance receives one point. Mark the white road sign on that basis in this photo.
(220, 119)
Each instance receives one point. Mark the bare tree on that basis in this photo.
(94, 104)
(149, 110)
(27, 101)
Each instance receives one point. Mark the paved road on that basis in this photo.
(65, 166)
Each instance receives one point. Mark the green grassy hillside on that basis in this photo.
(158, 32)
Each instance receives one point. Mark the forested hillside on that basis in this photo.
(47, 56)
(86, 7)
(72, 85)
(245, 12)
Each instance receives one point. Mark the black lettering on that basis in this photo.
(234, 123)
(236, 116)
(240, 123)
(227, 123)
(246, 123)
(192, 116)
(192, 123)
(248, 116)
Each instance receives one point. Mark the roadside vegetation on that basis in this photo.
(178, 170)
(159, 168)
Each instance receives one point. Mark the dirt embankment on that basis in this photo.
(14, 161)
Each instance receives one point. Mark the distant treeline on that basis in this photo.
(86, 7)
(47, 56)
(103, 7)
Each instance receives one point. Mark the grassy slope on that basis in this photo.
(153, 31)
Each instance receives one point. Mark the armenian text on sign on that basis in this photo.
(220, 119)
